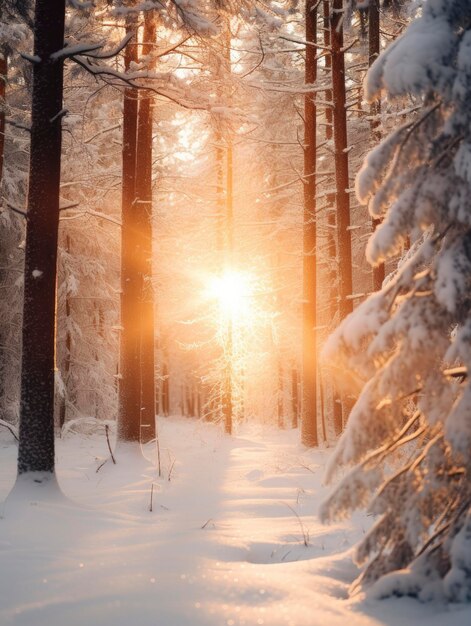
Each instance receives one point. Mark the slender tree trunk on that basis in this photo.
(344, 246)
(3, 84)
(332, 223)
(280, 394)
(227, 399)
(220, 203)
(294, 398)
(341, 160)
(36, 446)
(309, 435)
(198, 401)
(375, 108)
(129, 422)
(165, 389)
(144, 209)
(328, 66)
(228, 395)
(68, 348)
(3, 81)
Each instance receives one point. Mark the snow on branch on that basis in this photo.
(409, 345)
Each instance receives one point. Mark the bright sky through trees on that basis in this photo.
(233, 292)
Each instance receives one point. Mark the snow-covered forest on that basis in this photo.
(235, 328)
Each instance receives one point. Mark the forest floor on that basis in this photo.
(232, 538)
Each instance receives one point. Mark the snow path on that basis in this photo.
(223, 546)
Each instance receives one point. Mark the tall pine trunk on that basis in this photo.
(309, 398)
(227, 399)
(331, 220)
(129, 413)
(68, 350)
(225, 207)
(342, 183)
(3, 84)
(36, 446)
(144, 208)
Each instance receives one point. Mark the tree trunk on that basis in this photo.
(3, 84)
(227, 399)
(129, 422)
(375, 109)
(332, 223)
(294, 398)
(341, 160)
(280, 394)
(228, 352)
(68, 349)
(144, 209)
(309, 399)
(36, 446)
(344, 246)
(165, 389)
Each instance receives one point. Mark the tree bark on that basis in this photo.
(129, 421)
(68, 351)
(3, 84)
(344, 248)
(332, 222)
(144, 209)
(165, 389)
(309, 435)
(280, 394)
(36, 446)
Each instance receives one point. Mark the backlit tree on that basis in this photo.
(409, 434)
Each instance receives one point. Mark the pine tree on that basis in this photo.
(144, 207)
(129, 412)
(36, 446)
(309, 399)
(409, 434)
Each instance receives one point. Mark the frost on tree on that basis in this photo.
(409, 345)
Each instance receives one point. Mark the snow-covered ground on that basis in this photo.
(224, 544)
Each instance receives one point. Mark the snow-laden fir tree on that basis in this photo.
(409, 434)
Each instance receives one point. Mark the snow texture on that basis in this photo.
(222, 546)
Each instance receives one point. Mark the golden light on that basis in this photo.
(232, 291)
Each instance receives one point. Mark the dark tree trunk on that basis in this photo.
(129, 421)
(375, 108)
(309, 435)
(341, 148)
(332, 223)
(328, 67)
(144, 209)
(36, 446)
(341, 160)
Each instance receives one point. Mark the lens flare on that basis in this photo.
(232, 291)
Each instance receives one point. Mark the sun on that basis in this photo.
(232, 291)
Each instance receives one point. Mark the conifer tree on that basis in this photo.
(409, 434)
(36, 447)
(309, 399)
